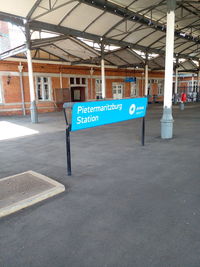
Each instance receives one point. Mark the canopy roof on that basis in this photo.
(130, 24)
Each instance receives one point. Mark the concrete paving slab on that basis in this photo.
(25, 189)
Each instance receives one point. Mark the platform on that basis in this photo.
(125, 205)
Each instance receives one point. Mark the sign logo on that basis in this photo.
(132, 109)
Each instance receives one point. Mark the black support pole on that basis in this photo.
(143, 131)
(69, 170)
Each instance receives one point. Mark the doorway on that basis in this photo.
(78, 94)
(117, 90)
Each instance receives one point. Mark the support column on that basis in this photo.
(193, 88)
(198, 79)
(91, 87)
(61, 83)
(146, 77)
(167, 119)
(20, 68)
(33, 108)
(198, 83)
(103, 83)
(176, 83)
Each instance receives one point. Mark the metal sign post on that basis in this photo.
(143, 131)
(69, 168)
(68, 114)
(85, 115)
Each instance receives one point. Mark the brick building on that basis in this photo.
(58, 83)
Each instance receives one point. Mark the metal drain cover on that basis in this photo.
(25, 189)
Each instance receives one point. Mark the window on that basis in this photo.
(77, 81)
(192, 87)
(43, 88)
(160, 87)
(195, 86)
(72, 81)
(133, 89)
(98, 86)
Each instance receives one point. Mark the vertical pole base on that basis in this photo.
(24, 111)
(167, 124)
(175, 98)
(182, 106)
(34, 114)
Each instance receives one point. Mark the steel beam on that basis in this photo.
(33, 9)
(13, 52)
(135, 16)
(17, 20)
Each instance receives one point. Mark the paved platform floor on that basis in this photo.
(125, 205)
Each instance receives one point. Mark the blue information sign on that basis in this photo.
(92, 114)
(130, 79)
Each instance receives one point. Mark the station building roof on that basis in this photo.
(126, 25)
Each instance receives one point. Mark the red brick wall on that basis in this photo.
(12, 91)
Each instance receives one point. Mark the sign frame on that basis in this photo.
(134, 108)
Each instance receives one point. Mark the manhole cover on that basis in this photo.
(25, 189)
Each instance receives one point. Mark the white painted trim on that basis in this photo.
(65, 63)
(26, 103)
(20, 109)
(44, 107)
(11, 73)
(13, 109)
(13, 104)
(57, 75)
(38, 61)
(69, 64)
(78, 85)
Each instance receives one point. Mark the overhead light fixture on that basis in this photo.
(8, 79)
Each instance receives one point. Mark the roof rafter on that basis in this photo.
(134, 16)
(37, 3)
(52, 9)
(68, 13)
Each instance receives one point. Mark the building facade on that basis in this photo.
(58, 83)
